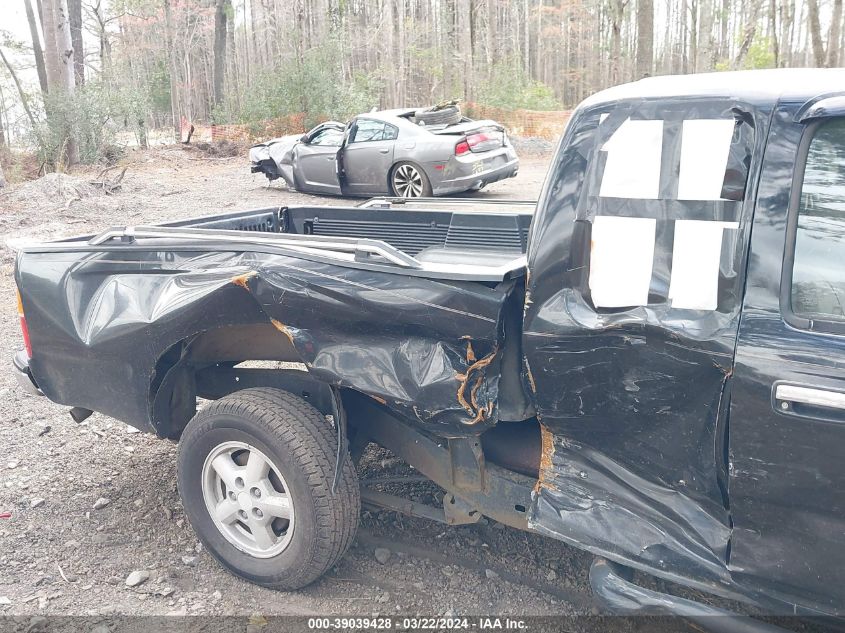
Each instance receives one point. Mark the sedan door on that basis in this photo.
(368, 156)
(315, 161)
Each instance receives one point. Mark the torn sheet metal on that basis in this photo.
(104, 325)
(629, 345)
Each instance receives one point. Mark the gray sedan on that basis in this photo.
(389, 152)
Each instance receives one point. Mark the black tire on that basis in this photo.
(448, 115)
(422, 190)
(302, 445)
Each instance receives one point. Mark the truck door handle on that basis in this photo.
(384, 150)
(789, 395)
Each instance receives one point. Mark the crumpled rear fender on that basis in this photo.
(113, 331)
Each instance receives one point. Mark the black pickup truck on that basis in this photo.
(650, 366)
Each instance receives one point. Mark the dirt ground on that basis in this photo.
(60, 555)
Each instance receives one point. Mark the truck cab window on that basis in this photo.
(818, 274)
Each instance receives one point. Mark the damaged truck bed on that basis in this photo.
(649, 366)
(417, 298)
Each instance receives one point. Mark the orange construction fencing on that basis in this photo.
(525, 123)
(548, 125)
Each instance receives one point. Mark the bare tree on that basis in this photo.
(464, 37)
(173, 68)
(833, 44)
(36, 47)
(750, 32)
(3, 141)
(75, 16)
(67, 81)
(51, 52)
(617, 14)
(815, 32)
(21, 92)
(222, 7)
(645, 38)
(705, 54)
(96, 13)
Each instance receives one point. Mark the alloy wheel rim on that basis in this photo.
(247, 499)
(407, 181)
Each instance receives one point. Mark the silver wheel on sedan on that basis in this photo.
(408, 182)
(248, 499)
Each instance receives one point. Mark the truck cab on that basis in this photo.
(684, 328)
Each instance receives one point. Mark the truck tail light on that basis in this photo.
(462, 148)
(24, 329)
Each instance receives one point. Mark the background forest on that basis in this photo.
(93, 68)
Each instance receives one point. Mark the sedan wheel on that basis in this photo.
(409, 182)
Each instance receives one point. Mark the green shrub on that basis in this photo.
(93, 115)
(313, 85)
(511, 88)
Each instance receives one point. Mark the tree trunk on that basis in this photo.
(24, 100)
(3, 141)
(220, 21)
(464, 37)
(786, 13)
(617, 9)
(750, 33)
(526, 50)
(51, 53)
(815, 32)
(705, 59)
(645, 38)
(724, 36)
(448, 22)
(171, 56)
(36, 47)
(833, 44)
(64, 45)
(232, 54)
(75, 14)
(492, 20)
(388, 25)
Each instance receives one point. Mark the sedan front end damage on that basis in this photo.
(273, 159)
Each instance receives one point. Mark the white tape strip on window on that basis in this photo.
(696, 255)
(634, 153)
(621, 259)
(705, 145)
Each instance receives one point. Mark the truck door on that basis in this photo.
(787, 414)
(368, 156)
(634, 298)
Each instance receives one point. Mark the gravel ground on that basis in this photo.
(93, 502)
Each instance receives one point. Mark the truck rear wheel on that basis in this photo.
(255, 472)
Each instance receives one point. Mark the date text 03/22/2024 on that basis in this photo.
(416, 624)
